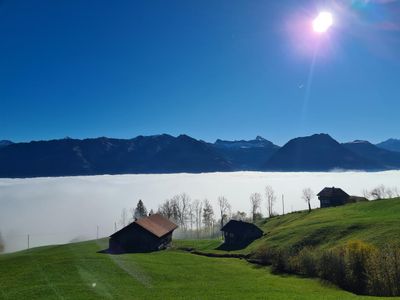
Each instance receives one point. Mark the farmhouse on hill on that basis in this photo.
(146, 234)
(240, 233)
(330, 197)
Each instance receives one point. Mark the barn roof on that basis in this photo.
(332, 193)
(239, 226)
(155, 224)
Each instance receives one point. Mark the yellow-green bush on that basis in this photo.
(356, 257)
(383, 272)
(356, 266)
(305, 262)
(280, 262)
(331, 267)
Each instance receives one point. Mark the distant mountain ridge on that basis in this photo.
(258, 142)
(319, 152)
(384, 158)
(246, 155)
(167, 154)
(390, 144)
(4, 143)
(151, 154)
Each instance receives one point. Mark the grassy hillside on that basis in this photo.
(375, 222)
(76, 271)
(333, 244)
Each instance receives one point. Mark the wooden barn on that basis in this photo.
(146, 234)
(239, 232)
(332, 197)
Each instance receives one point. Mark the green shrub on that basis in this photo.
(331, 267)
(279, 262)
(356, 256)
(383, 272)
(265, 254)
(306, 262)
(356, 266)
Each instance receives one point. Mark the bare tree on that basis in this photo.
(396, 192)
(178, 207)
(224, 210)
(191, 216)
(124, 219)
(198, 210)
(2, 246)
(166, 209)
(307, 196)
(255, 201)
(366, 194)
(392, 192)
(183, 209)
(271, 198)
(389, 193)
(208, 216)
(379, 192)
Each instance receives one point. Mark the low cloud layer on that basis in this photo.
(59, 210)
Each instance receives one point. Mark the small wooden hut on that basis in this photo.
(332, 197)
(239, 232)
(146, 234)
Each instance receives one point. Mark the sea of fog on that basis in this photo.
(63, 209)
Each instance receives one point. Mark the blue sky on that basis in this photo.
(210, 69)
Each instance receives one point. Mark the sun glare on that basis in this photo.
(322, 22)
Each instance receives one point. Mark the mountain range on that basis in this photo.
(167, 154)
(4, 143)
(390, 144)
(246, 155)
(318, 152)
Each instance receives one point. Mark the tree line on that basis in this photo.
(381, 192)
(198, 218)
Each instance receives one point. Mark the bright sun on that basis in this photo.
(322, 22)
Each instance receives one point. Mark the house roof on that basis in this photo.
(332, 193)
(155, 224)
(240, 226)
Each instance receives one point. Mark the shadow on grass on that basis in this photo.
(233, 247)
(122, 251)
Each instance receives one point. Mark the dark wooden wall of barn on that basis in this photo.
(137, 239)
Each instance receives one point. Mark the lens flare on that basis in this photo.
(322, 22)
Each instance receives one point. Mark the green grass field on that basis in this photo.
(77, 271)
